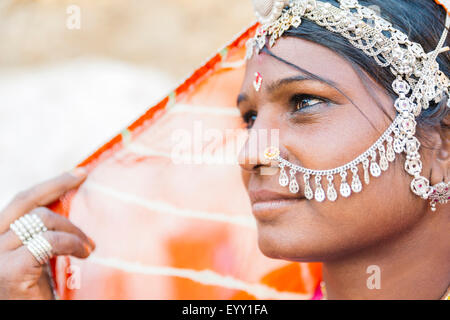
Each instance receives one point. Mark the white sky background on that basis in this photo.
(54, 116)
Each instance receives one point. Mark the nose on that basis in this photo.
(251, 156)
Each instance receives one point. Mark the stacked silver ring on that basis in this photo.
(29, 229)
(40, 248)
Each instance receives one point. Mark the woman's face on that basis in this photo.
(320, 128)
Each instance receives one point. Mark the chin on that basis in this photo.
(280, 246)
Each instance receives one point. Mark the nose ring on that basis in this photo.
(272, 153)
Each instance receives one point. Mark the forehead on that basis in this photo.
(307, 55)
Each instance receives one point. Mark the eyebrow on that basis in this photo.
(285, 81)
(282, 82)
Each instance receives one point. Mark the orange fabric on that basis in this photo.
(175, 231)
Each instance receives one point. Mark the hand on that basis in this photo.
(21, 275)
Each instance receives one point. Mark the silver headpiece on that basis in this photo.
(418, 82)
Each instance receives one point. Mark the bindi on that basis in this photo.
(257, 82)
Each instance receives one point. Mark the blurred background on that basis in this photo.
(75, 73)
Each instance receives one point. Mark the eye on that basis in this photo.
(249, 118)
(302, 101)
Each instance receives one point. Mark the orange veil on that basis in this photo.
(175, 231)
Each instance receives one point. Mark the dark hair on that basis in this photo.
(422, 20)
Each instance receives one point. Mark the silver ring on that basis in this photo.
(27, 227)
(21, 231)
(16, 230)
(45, 245)
(40, 248)
(36, 252)
(33, 224)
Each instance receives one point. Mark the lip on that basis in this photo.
(267, 204)
(263, 195)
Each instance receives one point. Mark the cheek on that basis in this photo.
(245, 178)
(315, 231)
(384, 208)
(312, 231)
(338, 135)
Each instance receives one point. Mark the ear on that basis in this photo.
(440, 156)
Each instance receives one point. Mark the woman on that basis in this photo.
(332, 105)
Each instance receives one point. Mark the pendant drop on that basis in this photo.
(331, 191)
(345, 188)
(356, 182)
(384, 163)
(320, 193)
(375, 169)
(309, 194)
(366, 171)
(284, 179)
(293, 185)
(390, 153)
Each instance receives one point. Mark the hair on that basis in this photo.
(422, 20)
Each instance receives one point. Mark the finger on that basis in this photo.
(63, 244)
(40, 195)
(53, 222)
(56, 222)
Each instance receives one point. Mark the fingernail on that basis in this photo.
(92, 243)
(79, 172)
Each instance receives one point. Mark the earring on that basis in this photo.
(439, 193)
(258, 81)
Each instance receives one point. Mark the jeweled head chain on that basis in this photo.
(418, 81)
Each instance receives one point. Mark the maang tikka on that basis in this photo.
(418, 82)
